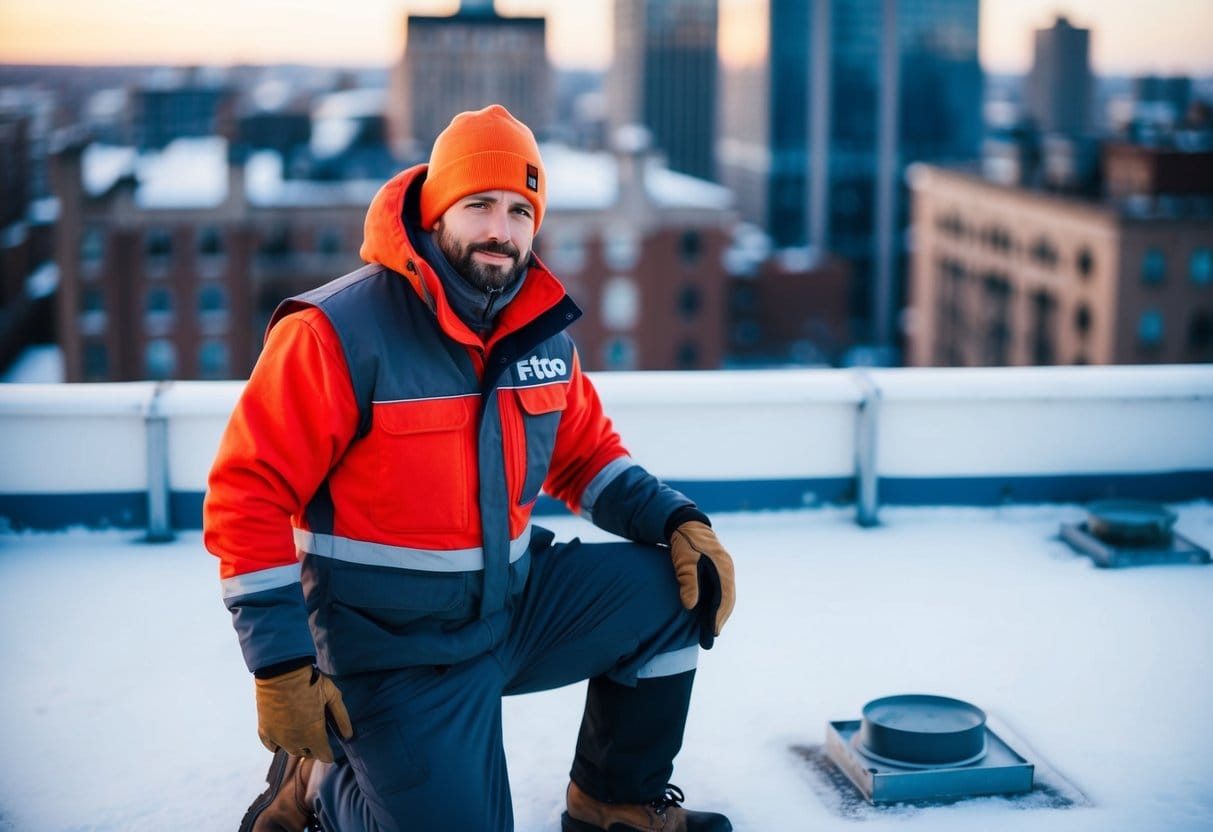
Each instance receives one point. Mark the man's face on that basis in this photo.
(487, 237)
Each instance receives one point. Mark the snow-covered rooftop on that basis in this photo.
(127, 706)
(583, 181)
(193, 173)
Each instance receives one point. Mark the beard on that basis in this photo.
(484, 276)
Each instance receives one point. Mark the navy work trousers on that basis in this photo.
(427, 751)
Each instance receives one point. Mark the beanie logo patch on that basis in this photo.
(532, 177)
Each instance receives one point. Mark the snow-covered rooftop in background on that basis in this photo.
(265, 186)
(127, 706)
(193, 173)
(188, 173)
(583, 181)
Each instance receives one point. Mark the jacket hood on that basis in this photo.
(384, 237)
(386, 242)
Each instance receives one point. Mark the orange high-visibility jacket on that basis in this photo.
(377, 476)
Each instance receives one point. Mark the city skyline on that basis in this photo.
(1173, 40)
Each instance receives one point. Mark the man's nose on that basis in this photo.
(499, 224)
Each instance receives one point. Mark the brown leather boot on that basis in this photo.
(665, 814)
(283, 807)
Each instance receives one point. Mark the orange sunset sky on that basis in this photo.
(1129, 36)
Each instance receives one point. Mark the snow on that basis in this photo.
(582, 181)
(36, 365)
(193, 172)
(103, 165)
(188, 173)
(127, 706)
(43, 281)
(265, 185)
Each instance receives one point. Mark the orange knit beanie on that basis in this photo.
(485, 150)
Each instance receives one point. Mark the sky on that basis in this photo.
(1172, 37)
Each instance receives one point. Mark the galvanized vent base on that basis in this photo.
(1174, 549)
(1000, 771)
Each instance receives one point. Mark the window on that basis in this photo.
(92, 300)
(620, 304)
(210, 251)
(1082, 319)
(160, 359)
(276, 243)
(92, 251)
(566, 253)
(96, 361)
(1085, 262)
(690, 300)
(690, 247)
(688, 355)
(619, 353)
(159, 300)
(997, 303)
(1044, 253)
(92, 311)
(1200, 332)
(212, 298)
(157, 250)
(1150, 329)
(1153, 267)
(210, 242)
(1043, 307)
(213, 309)
(621, 248)
(213, 360)
(1200, 267)
(328, 241)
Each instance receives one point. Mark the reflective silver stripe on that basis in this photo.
(260, 580)
(670, 664)
(601, 480)
(427, 398)
(402, 557)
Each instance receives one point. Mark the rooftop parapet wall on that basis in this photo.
(136, 455)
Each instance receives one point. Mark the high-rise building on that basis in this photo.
(1060, 87)
(467, 61)
(176, 103)
(824, 105)
(664, 77)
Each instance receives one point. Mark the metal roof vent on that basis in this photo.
(1131, 533)
(915, 747)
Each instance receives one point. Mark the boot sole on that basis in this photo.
(571, 824)
(273, 778)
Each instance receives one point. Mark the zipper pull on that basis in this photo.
(493, 294)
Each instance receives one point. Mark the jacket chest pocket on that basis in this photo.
(540, 409)
(423, 464)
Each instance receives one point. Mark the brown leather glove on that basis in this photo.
(291, 712)
(705, 577)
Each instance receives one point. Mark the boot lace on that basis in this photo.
(673, 796)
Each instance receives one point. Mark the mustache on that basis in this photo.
(508, 249)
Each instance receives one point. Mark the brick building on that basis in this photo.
(171, 262)
(1018, 276)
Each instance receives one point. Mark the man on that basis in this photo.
(370, 506)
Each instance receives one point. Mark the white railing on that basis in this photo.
(862, 436)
